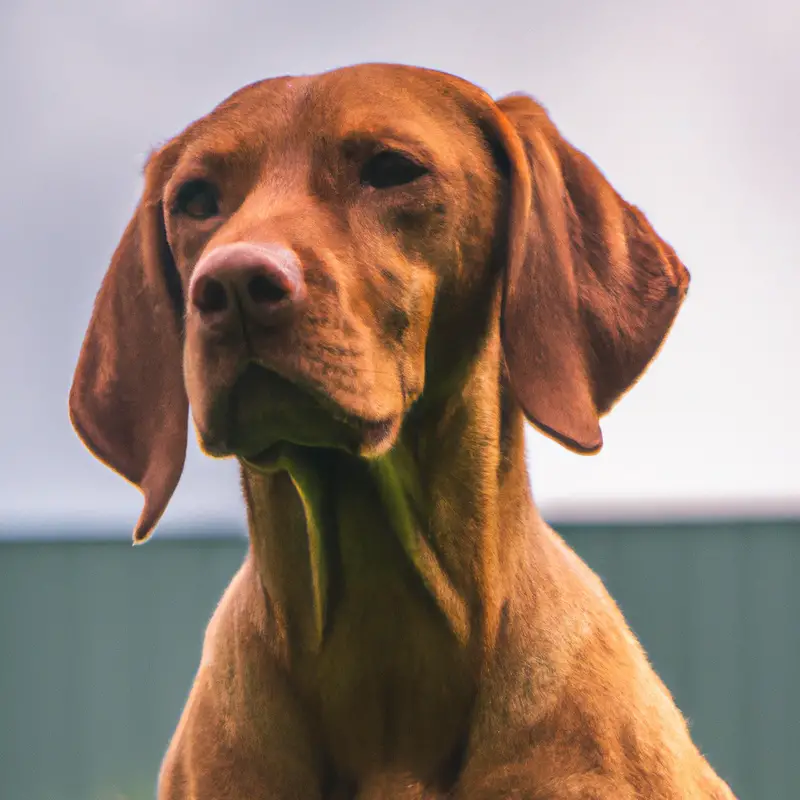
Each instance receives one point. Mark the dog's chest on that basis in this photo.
(392, 684)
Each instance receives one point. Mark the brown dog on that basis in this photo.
(363, 282)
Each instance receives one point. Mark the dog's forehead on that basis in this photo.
(378, 100)
(384, 92)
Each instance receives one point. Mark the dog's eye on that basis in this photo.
(197, 199)
(390, 168)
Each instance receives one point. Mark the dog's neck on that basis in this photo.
(439, 504)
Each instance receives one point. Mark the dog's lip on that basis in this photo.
(374, 437)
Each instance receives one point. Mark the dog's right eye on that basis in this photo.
(197, 199)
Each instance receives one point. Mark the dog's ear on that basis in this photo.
(128, 403)
(590, 289)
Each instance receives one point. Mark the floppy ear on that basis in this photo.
(590, 289)
(128, 403)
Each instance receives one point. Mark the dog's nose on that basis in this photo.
(262, 283)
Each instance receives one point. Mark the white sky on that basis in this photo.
(691, 109)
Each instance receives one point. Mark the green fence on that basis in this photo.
(99, 643)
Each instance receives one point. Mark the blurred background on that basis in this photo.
(691, 513)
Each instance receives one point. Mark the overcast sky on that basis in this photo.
(692, 111)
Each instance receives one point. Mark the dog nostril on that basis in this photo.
(212, 297)
(262, 290)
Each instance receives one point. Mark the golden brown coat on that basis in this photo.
(435, 268)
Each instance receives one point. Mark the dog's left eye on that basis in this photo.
(390, 168)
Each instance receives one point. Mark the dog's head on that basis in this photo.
(316, 254)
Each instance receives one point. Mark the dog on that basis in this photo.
(363, 283)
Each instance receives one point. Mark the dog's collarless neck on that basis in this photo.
(341, 515)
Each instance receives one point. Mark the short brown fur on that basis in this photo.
(405, 624)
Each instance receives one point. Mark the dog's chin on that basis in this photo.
(377, 438)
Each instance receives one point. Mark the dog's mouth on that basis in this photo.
(374, 439)
(266, 415)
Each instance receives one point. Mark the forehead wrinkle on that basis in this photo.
(212, 159)
(430, 114)
(393, 139)
(411, 128)
(242, 126)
